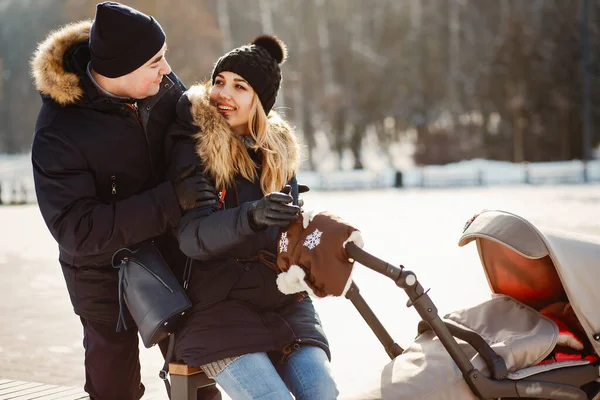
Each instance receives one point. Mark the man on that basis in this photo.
(99, 165)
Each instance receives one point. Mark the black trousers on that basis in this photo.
(112, 364)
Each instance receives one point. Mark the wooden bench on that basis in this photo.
(185, 381)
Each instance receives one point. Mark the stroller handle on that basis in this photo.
(418, 298)
(392, 348)
(376, 264)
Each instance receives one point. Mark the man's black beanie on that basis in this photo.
(123, 39)
(259, 64)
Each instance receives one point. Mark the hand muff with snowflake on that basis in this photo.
(311, 255)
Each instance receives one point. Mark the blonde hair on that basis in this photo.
(273, 146)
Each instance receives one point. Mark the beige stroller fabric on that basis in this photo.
(425, 371)
(575, 258)
(528, 269)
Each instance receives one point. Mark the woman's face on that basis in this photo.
(232, 96)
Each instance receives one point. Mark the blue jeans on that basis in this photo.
(305, 373)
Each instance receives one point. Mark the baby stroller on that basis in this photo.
(538, 337)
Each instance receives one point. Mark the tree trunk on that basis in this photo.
(454, 49)
(338, 128)
(266, 22)
(325, 56)
(224, 26)
(358, 133)
(565, 136)
(309, 136)
(519, 126)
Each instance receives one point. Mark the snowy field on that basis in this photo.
(16, 174)
(40, 338)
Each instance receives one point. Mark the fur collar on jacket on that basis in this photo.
(49, 75)
(224, 154)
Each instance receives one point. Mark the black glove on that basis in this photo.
(193, 190)
(302, 189)
(275, 209)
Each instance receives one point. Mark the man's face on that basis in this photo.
(145, 81)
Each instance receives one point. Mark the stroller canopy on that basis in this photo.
(539, 266)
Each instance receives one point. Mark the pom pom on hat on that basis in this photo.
(273, 45)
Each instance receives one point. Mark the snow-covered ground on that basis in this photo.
(40, 338)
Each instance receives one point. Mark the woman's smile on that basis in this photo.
(225, 109)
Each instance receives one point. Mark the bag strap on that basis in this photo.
(164, 372)
(187, 273)
(121, 324)
(121, 256)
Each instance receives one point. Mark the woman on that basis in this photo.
(253, 340)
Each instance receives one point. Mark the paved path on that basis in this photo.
(20, 390)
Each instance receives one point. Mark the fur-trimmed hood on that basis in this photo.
(47, 66)
(223, 153)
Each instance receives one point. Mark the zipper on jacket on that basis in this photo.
(113, 185)
(134, 108)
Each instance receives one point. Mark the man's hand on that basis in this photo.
(274, 209)
(193, 190)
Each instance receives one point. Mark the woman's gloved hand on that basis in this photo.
(274, 209)
(193, 190)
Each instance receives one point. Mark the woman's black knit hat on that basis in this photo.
(259, 64)
(122, 39)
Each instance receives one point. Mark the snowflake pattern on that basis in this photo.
(283, 243)
(313, 240)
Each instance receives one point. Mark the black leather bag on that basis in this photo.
(149, 289)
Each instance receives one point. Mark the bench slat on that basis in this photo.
(182, 369)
